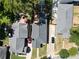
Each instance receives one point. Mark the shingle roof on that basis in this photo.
(39, 34)
(20, 30)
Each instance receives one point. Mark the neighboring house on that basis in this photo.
(64, 23)
(64, 19)
(66, 16)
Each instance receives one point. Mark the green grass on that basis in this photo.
(34, 53)
(42, 51)
(6, 41)
(17, 57)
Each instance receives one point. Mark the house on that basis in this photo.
(66, 16)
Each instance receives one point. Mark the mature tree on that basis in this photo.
(16, 6)
(12, 7)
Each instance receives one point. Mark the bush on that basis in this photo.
(44, 57)
(64, 53)
(73, 51)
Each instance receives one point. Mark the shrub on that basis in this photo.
(64, 53)
(73, 51)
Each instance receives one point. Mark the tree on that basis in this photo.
(64, 53)
(16, 6)
(73, 51)
(12, 7)
(74, 35)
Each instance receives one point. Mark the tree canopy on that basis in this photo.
(17, 6)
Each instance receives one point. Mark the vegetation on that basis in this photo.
(64, 53)
(16, 57)
(42, 51)
(5, 20)
(74, 35)
(44, 57)
(11, 8)
(34, 53)
(6, 41)
(4, 26)
(73, 51)
(15, 6)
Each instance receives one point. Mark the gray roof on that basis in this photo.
(20, 30)
(23, 32)
(64, 19)
(16, 44)
(39, 34)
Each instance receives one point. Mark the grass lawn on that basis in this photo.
(6, 41)
(43, 51)
(17, 57)
(34, 53)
